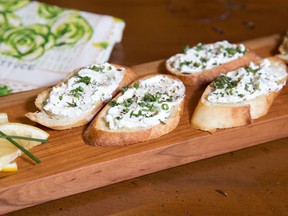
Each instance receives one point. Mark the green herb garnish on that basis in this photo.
(124, 89)
(165, 106)
(238, 49)
(186, 48)
(204, 60)
(44, 103)
(28, 153)
(136, 85)
(199, 47)
(196, 64)
(240, 95)
(97, 68)
(73, 104)
(221, 82)
(170, 99)
(187, 63)
(113, 103)
(136, 115)
(84, 79)
(24, 138)
(149, 98)
(246, 87)
(77, 91)
(231, 51)
(127, 102)
(251, 70)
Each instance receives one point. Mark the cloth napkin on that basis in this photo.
(41, 43)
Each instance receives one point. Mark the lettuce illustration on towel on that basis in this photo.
(71, 29)
(12, 5)
(27, 42)
(30, 42)
(40, 43)
(48, 11)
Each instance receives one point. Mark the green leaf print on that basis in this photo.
(4, 90)
(103, 45)
(8, 20)
(48, 11)
(12, 5)
(71, 29)
(27, 42)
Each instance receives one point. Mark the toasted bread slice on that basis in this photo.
(76, 100)
(283, 48)
(148, 109)
(238, 97)
(201, 64)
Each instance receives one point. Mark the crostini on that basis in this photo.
(283, 48)
(236, 98)
(76, 100)
(201, 64)
(147, 109)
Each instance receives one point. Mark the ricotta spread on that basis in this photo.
(91, 85)
(205, 56)
(147, 103)
(247, 83)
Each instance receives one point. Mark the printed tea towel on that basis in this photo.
(40, 43)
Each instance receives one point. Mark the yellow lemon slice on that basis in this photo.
(3, 118)
(11, 167)
(8, 152)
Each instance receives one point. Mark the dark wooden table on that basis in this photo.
(252, 181)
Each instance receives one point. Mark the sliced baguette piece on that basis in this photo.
(283, 49)
(213, 112)
(58, 120)
(150, 112)
(191, 68)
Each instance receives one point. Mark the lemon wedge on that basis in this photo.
(11, 167)
(8, 152)
(3, 118)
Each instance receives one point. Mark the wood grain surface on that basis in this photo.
(252, 181)
(67, 161)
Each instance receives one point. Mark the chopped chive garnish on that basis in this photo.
(113, 103)
(24, 138)
(29, 154)
(73, 104)
(44, 102)
(136, 85)
(186, 48)
(165, 106)
(84, 79)
(124, 89)
(199, 47)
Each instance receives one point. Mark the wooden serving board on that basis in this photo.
(69, 166)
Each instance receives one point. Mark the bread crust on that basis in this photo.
(204, 77)
(98, 133)
(210, 117)
(62, 123)
(283, 49)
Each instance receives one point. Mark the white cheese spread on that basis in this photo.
(247, 83)
(91, 85)
(205, 56)
(147, 103)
